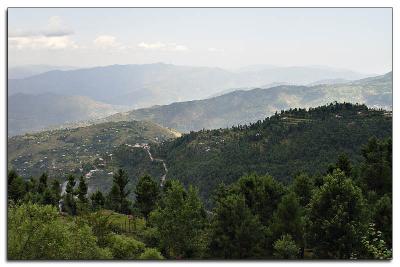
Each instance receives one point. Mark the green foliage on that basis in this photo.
(303, 186)
(124, 248)
(288, 219)
(286, 248)
(16, 186)
(55, 191)
(342, 211)
(336, 218)
(180, 222)
(82, 190)
(343, 163)
(374, 246)
(151, 254)
(293, 141)
(262, 194)
(101, 226)
(69, 198)
(37, 232)
(42, 183)
(117, 197)
(382, 218)
(235, 232)
(147, 193)
(97, 200)
(376, 170)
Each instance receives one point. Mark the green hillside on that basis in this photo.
(282, 145)
(96, 149)
(341, 209)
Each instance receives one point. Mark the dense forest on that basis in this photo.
(287, 143)
(313, 184)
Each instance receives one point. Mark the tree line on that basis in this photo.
(345, 213)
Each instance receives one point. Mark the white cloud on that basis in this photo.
(180, 48)
(153, 46)
(162, 46)
(107, 41)
(215, 50)
(54, 36)
(55, 27)
(41, 42)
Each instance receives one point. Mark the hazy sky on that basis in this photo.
(354, 38)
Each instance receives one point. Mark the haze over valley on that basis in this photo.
(79, 95)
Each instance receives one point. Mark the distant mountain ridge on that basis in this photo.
(29, 113)
(150, 84)
(21, 72)
(245, 106)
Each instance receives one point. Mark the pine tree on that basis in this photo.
(302, 186)
(288, 219)
(337, 218)
(147, 193)
(343, 163)
(42, 183)
(56, 189)
(376, 170)
(16, 186)
(82, 190)
(286, 248)
(97, 200)
(235, 232)
(262, 194)
(117, 198)
(69, 198)
(180, 222)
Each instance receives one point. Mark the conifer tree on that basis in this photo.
(147, 193)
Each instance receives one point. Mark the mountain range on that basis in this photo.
(246, 106)
(72, 97)
(151, 84)
(20, 72)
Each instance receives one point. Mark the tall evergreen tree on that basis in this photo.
(288, 219)
(235, 232)
(97, 200)
(180, 222)
(262, 194)
(337, 218)
(376, 169)
(117, 197)
(82, 190)
(303, 186)
(147, 193)
(16, 186)
(343, 163)
(42, 186)
(69, 197)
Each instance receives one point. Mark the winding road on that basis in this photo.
(146, 147)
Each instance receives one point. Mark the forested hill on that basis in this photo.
(248, 106)
(281, 145)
